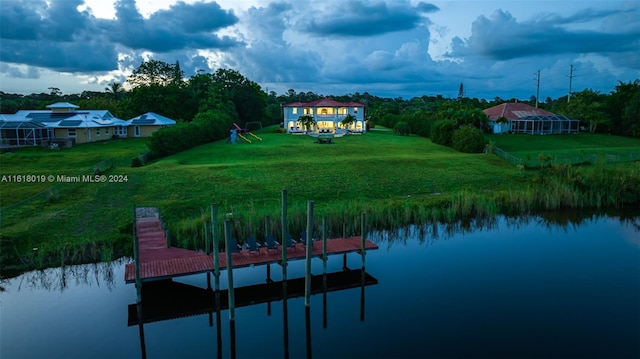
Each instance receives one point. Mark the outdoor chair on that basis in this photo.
(271, 243)
(291, 243)
(252, 244)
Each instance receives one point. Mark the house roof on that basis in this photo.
(324, 102)
(151, 118)
(514, 110)
(59, 105)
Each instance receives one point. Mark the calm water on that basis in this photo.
(517, 289)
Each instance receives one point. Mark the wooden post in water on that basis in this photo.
(307, 282)
(363, 236)
(284, 235)
(206, 237)
(363, 228)
(227, 239)
(216, 247)
(324, 245)
(136, 256)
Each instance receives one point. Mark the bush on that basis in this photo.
(468, 139)
(206, 127)
(442, 132)
(401, 128)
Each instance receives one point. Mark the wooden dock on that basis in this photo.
(158, 261)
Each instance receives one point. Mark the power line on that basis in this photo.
(570, 81)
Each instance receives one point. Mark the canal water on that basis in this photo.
(504, 288)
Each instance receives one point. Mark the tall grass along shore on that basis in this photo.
(396, 180)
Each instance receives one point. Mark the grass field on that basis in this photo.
(370, 172)
(577, 148)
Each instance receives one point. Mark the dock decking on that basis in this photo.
(157, 261)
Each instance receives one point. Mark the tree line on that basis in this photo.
(206, 103)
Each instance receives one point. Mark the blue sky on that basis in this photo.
(392, 48)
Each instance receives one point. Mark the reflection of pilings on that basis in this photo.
(136, 256)
(307, 291)
(307, 315)
(363, 227)
(143, 347)
(324, 300)
(285, 233)
(285, 314)
(232, 339)
(216, 248)
(218, 325)
(227, 239)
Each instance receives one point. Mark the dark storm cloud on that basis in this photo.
(56, 35)
(270, 58)
(182, 26)
(362, 18)
(503, 37)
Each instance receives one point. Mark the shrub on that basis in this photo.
(401, 128)
(468, 139)
(442, 132)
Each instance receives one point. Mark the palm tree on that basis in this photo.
(115, 90)
(307, 121)
(348, 120)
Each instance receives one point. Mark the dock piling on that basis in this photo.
(284, 234)
(216, 247)
(136, 256)
(307, 291)
(227, 239)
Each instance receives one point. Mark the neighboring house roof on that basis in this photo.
(324, 102)
(62, 105)
(514, 110)
(151, 118)
(70, 119)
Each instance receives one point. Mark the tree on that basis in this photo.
(155, 72)
(587, 106)
(468, 139)
(247, 97)
(307, 121)
(115, 90)
(623, 105)
(348, 120)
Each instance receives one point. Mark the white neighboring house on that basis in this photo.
(328, 115)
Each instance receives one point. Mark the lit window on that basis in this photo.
(355, 110)
(295, 110)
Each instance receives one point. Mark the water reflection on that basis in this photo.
(554, 286)
(167, 300)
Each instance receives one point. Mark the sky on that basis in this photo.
(388, 48)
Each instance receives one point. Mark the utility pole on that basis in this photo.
(570, 80)
(538, 89)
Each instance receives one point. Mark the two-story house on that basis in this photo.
(328, 116)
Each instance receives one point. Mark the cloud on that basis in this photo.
(502, 37)
(57, 36)
(362, 18)
(15, 71)
(182, 26)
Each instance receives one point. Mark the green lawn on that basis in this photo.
(354, 172)
(568, 148)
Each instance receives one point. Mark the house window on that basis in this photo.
(308, 111)
(97, 131)
(294, 110)
(71, 132)
(355, 110)
(106, 131)
(324, 111)
(136, 131)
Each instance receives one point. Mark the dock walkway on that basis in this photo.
(158, 261)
